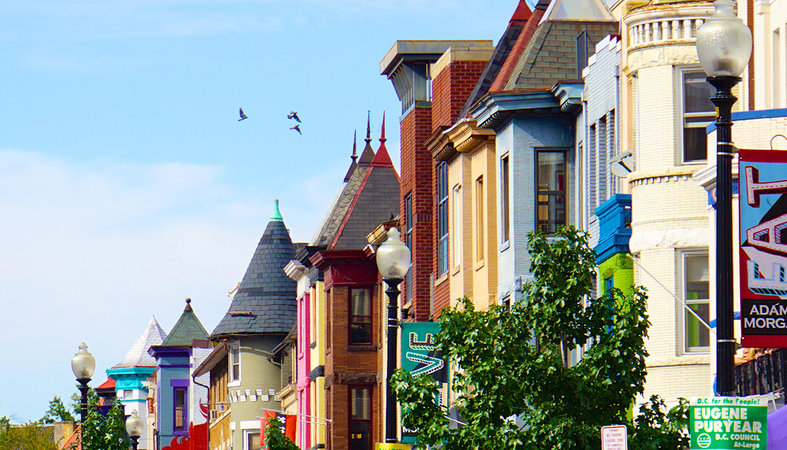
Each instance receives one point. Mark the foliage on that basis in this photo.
(24, 437)
(275, 438)
(76, 400)
(657, 429)
(511, 368)
(57, 412)
(105, 433)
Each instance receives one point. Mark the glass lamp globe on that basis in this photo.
(724, 42)
(393, 257)
(134, 425)
(83, 363)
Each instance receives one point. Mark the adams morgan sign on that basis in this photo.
(763, 250)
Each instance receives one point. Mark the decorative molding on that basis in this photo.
(670, 238)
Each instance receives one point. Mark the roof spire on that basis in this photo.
(355, 145)
(354, 156)
(367, 155)
(276, 216)
(368, 127)
(188, 304)
(382, 134)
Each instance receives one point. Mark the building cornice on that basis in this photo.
(496, 107)
(466, 136)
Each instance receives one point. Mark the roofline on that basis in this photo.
(211, 360)
(420, 50)
(494, 107)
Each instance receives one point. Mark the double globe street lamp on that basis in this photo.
(83, 364)
(724, 46)
(393, 261)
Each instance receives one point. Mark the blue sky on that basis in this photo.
(127, 183)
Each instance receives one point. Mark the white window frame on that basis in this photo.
(457, 223)
(681, 114)
(232, 381)
(684, 315)
(505, 200)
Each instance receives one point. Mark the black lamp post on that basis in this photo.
(393, 261)
(83, 364)
(134, 427)
(724, 47)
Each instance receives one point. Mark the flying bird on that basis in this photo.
(243, 116)
(294, 115)
(297, 128)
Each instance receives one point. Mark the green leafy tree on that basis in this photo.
(57, 412)
(76, 400)
(275, 438)
(516, 387)
(24, 437)
(105, 433)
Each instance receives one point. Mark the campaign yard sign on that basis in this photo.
(726, 423)
(763, 249)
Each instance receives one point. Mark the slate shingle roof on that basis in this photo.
(499, 56)
(551, 52)
(137, 355)
(265, 299)
(369, 198)
(187, 328)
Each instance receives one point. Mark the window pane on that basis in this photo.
(360, 302)
(551, 171)
(253, 441)
(504, 199)
(696, 294)
(697, 93)
(456, 226)
(360, 403)
(695, 144)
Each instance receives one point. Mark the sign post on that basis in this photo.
(614, 437)
(726, 423)
(763, 250)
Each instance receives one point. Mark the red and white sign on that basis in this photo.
(614, 437)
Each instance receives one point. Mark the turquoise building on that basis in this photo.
(131, 375)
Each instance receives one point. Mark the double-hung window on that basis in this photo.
(181, 412)
(408, 241)
(696, 294)
(550, 190)
(456, 225)
(442, 218)
(698, 112)
(234, 363)
(505, 201)
(360, 317)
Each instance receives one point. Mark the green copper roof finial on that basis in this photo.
(276, 216)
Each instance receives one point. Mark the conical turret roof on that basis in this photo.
(187, 328)
(137, 355)
(265, 299)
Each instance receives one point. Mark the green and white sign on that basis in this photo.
(727, 423)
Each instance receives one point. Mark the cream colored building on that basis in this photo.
(665, 109)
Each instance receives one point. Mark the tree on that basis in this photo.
(22, 437)
(512, 372)
(57, 412)
(105, 433)
(275, 438)
(76, 400)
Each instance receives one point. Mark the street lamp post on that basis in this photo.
(724, 47)
(134, 427)
(83, 364)
(393, 261)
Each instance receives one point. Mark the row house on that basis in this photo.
(245, 376)
(341, 311)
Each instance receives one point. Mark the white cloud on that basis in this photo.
(91, 251)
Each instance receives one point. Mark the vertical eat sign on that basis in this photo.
(763, 249)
